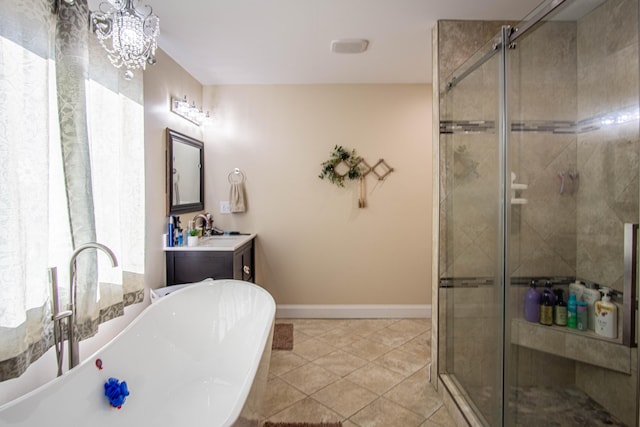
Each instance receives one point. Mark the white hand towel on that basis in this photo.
(236, 197)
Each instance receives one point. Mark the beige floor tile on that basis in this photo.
(306, 410)
(299, 337)
(420, 346)
(339, 337)
(348, 423)
(423, 321)
(340, 362)
(401, 362)
(412, 325)
(310, 378)
(385, 413)
(416, 394)
(314, 327)
(367, 349)
(279, 395)
(429, 424)
(442, 418)
(284, 361)
(391, 337)
(345, 397)
(366, 327)
(313, 348)
(375, 378)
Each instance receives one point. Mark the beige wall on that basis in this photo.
(315, 245)
(162, 81)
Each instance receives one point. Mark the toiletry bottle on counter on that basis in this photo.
(546, 310)
(591, 296)
(576, 288)
(560, 309)
(582, 322)
(532, 304)
(170, 235)
(572, 312)
(606, 316)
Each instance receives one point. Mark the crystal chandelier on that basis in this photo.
(127, 33)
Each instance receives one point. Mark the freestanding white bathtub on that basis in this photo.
(198, 357)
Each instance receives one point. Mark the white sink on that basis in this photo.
(220, 240)
(216, 243)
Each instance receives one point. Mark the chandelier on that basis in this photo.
(127, 33)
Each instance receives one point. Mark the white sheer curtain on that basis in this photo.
(41, 178)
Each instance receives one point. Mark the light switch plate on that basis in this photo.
(225, 207)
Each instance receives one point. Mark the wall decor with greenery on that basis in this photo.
(353, 167)
(339, 156)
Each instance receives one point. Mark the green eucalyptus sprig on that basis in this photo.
(340, 155)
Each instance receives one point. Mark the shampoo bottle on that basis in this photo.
(576, 288)
(572, 312)
(546, 310)
(591, 296)
(560, 310)
(532, 304)
(606, 316)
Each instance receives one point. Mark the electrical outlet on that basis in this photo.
(225, 207)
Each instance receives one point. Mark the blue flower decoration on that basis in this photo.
(116, 392)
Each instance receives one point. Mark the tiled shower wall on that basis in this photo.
(607, 42)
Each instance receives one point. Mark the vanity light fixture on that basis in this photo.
(189, 111)
(127, 33)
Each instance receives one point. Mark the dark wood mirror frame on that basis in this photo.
(174, 138)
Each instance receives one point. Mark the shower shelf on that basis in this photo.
(581, 346)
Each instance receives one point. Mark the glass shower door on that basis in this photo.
(573, 150)
(470, 273)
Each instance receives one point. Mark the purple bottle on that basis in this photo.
(532, 304)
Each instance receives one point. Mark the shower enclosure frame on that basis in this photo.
(507, 37)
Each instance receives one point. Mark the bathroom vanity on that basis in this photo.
(217, 257)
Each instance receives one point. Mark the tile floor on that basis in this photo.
(363, 372)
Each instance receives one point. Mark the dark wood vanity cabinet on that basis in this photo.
(194, 265)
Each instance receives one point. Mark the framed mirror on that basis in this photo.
(185, 173)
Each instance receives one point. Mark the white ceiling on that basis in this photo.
(287, 41)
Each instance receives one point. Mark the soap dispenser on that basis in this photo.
(606, 316)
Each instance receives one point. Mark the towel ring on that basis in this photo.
(236, 177)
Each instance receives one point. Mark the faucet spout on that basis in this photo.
(74, 356)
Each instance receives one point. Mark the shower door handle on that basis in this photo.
(629, 285)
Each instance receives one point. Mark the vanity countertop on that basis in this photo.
(215, 243)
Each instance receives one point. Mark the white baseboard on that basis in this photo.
(312, 311)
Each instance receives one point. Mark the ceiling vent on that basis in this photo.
(349, 45)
